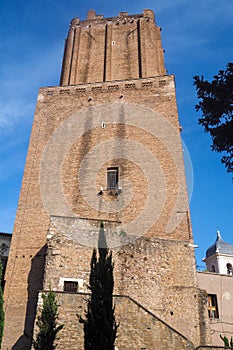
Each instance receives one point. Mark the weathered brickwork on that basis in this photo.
(106, 115)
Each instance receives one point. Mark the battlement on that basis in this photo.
(122, 16)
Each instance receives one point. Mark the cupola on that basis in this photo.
(219, 256)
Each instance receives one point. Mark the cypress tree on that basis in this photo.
(47, 323)
(100, 327)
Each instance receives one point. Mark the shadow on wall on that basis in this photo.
(35, 283)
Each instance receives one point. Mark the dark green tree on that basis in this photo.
(100, 327)
(1, 307)
(216, 105)
(47, 323)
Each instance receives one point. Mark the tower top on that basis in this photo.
(92, 16)
(102, 49)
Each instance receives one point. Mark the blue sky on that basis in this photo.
(197, 37)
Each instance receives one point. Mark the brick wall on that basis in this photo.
(148, 103)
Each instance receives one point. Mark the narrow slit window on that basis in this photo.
(70, 286)
(112, 178)
(213, 306)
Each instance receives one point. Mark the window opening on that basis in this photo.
(112, 178)
(229, 269)
(213, 268)
(213, 306)
(70, 286)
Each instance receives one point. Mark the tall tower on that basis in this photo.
(105, 146)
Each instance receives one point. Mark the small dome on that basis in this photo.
(219, 247)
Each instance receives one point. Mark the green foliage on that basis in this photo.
(226, 342)
(47, 323)
(100, 327)
(2, 315)
(216, 105)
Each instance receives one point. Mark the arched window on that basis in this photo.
(213, 268)
(229, 269)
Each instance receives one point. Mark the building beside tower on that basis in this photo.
(106, 147)
(218, 283)
(219, 257)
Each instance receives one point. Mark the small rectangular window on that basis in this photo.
(213, 306)
(229, 269)
(70, 286)
(112, 178)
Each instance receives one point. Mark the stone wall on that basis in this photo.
(144, 270)
(138, 328)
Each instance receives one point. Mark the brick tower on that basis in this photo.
(105, 146)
